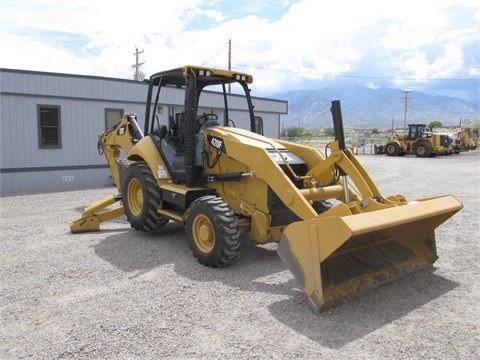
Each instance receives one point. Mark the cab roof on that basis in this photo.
(204, 75)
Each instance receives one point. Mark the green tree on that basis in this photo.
(435, 124)
(292, 132)
(329, 132)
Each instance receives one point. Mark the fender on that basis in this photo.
(147, 151)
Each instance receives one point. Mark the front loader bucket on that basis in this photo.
(337, 257)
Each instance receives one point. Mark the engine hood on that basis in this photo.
(219, 136)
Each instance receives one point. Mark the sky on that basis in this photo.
(432, 46)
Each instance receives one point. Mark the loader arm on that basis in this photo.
(320, 168)
(257, 151)
(260, 153)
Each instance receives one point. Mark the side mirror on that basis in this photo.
(258, 125)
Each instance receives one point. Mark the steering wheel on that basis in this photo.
(206, 117)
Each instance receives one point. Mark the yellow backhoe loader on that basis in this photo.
(464, 140)
(335, 231)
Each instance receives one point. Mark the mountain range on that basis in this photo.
(363, 107)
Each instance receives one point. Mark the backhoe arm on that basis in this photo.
(124, 135)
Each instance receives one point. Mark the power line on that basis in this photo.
(223, 47)
(358, 76)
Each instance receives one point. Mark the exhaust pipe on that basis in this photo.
(340, 137)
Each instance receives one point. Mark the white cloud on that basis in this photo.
(283, 43)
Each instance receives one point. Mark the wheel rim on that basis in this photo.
(421, 150)
(135, 197)
(203, 233)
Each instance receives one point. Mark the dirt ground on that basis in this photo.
(123, 294)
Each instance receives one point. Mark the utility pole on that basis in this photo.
(137, 64)
(406, 92)
(229, 61)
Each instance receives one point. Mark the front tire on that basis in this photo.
(141, 199)
(392, 149)
(423, 150)
(212, 231)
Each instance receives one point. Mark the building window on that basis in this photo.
(49, 131)
(112, 116)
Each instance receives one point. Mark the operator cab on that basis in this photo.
(174, 135)
(171, 141)
(415, 130)
(181, 141)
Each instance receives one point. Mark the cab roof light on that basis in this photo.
(203, 72)
(245, 78)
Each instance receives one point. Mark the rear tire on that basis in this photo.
(141, 199)
(212, 231)
(422, 150)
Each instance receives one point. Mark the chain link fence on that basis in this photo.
(358, 145)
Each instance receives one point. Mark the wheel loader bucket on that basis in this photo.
(336, 257)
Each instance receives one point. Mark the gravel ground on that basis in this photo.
(122, 294)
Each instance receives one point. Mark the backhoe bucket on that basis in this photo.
(337, 257)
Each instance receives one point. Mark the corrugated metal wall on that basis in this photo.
(24, 167)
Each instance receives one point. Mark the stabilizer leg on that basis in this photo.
(91, 218)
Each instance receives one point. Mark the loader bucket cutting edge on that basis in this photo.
(335, 258)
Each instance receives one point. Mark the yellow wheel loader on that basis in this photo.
(418, 141)
(335, 232)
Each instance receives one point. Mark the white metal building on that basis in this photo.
(50, 124)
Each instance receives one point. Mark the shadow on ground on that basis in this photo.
(351, 321)
(137, 253)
